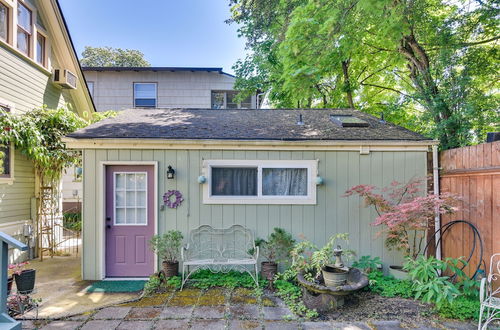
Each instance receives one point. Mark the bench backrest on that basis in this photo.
(206, 242)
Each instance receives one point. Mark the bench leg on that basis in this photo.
(256, 275)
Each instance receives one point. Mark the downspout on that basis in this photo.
(437, 217)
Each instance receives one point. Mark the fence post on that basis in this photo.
(6, 322)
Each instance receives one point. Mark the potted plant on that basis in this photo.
(406, 213)
(324, 263)
(167, 247)
(25, 278)
(275, 249)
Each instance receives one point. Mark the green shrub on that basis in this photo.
(153, 285)
(72, 221)
(288, 290)
(463, 308)
(388, 286)
(367, 263)
(204, 279)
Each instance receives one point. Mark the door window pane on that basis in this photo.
(284, 181)
(4, 22)
(130, 198)
(145, 95)
(231, 181)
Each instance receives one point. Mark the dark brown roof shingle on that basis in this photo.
(242, 125)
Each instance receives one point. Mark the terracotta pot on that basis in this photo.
(170, 268)
(10, 280)
(334, 276)
(268, 269)
(25, 282)
(398, 272)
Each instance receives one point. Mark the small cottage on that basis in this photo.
(257, 168)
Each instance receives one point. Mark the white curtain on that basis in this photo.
(284, 181)
(227, 181)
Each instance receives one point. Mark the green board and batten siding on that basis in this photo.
(333, 213)
(26, 87)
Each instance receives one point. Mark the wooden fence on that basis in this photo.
(473, 173)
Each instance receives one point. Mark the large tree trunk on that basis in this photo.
(347, 83)
(420, 75)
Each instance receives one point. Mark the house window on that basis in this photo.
(145, 95)
(5, 155)
(260, 182)
(90, 85)
(130, 202)
(24, 28)
(4, 22)
(40, 49)
(227, 100)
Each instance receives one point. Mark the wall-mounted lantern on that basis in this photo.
(170, 172)
(202, 179)
(319, 181)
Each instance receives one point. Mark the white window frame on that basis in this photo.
(135, 206)
(9, 179)
(148, 83)
(310, 198)
(225, 99)
(10, 21)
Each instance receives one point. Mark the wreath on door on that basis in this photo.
(173, 203)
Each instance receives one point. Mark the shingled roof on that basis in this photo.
(242, 124)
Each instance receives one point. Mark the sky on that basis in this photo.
(169, 32)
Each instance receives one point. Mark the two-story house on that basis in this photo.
(38, 66)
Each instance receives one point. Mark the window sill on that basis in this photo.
(8, 181)
(26, 58)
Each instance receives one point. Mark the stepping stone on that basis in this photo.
(459, 325)
(244, 325)
(247, 312)
(350, 326)
(62, 325)
(100, 324)
(209, 312)
(176, 312)
(281, 325)
(135, 325)
(208, 324)
(172, 324)
(387, 325)
(112, 313)
(276, 313)
(317, 325)
(144, 313)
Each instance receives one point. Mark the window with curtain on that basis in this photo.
(40, 49)
(260, 182)
(24, 28)
(229, 181)
(4, 22)
(284, 181)
(145, 95)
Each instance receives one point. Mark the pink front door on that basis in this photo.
(129, 222)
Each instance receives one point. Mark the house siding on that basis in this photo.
(114, 90)
(25, 86)
(332, 213)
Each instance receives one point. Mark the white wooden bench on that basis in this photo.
(219, 250)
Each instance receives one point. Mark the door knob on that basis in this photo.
(108, 218)
(108, 226)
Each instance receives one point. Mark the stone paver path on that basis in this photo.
(210, 309)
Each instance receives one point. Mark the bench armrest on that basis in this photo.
(256, 253)
(184, 248)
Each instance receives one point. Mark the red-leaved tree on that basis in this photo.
(405, 212)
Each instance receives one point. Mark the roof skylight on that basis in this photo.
(348, 121)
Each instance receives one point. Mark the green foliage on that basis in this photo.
(310, 259)
(388, 286)
(167, 246)
(73, 221)
(38, 134)
(368, 264)
(288, 290)
(98, 116)
(431, 285)
(462, 308)
(204, 279)
(174, 282)
(427, 65)
(153, 284)
(108, 56)
(277, 247)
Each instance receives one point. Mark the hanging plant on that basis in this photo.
(173, 204)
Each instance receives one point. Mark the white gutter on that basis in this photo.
(437, 217)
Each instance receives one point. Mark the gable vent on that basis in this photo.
(348, 121)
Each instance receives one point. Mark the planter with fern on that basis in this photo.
(167, 248)
(275, 249)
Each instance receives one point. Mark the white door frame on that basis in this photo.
(101, 206)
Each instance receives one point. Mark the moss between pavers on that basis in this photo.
(154, 300)
(266, 302)
(212, 300)
(243, 296)
(188, 293)
(182, 301)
